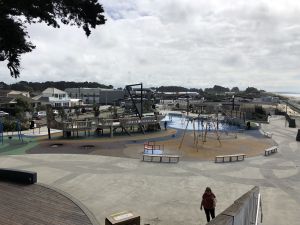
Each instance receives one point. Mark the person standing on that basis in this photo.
(208, 203)
(166, 124)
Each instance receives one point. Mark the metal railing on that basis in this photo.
(244, 211)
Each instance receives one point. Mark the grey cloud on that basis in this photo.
(196, 43)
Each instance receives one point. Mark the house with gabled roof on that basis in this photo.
(54, 97)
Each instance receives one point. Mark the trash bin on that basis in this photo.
(31, 124)
(292, 123)
(298, 135)
(68, 133)
(123, 218)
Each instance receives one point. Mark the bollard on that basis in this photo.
(298, 135)
(292, 123)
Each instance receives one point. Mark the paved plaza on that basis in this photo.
(170, 194)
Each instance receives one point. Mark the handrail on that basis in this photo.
(244, 209)
(257, 209)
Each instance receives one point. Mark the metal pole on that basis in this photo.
(257, 209)
(286, 114)
(105, 97)
(141, 99)
(187, 106)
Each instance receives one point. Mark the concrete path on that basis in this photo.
(36, 132)
(170, 194)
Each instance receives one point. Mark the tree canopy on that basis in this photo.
(16, 14)
(251, 90)
(217, 89)
(41, 86)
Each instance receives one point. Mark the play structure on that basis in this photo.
(135, 122)
(126, 125)
(155, 153)
(211, 125)
(152, 148)
(18, 128)
(1, 132)
(228, 124)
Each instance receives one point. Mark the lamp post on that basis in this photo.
(286, 114)
(232, 102)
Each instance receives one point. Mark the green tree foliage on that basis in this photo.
(16, 14)
(8, 125)
(96, 110)
(23, 105)
(41, 86)
(77, 111)
(62, 114)
(251, 90)
(172, 89)
(216, 89)
(235, 89)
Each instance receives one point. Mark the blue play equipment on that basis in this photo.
(19, 130)
(1, 132)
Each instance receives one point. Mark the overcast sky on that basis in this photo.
(192, 43)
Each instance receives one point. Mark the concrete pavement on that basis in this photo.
(170, 194)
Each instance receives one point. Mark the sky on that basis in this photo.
(191, 43)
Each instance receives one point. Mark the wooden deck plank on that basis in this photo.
(38, 205)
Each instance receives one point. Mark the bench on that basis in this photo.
(231, 158)
(271, 150)
(268, 134)
(161, 157)
(18, 176)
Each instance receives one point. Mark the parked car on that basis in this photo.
(2, 114)
(39, 115)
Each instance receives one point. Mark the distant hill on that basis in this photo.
(172, 89)
(40, 86)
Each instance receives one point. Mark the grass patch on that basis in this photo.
(14, 146)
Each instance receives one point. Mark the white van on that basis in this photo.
(39, 115)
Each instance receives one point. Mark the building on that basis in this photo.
(54, 97)
(7, 103)
(266, 99)
(176, 95)
(96, 95)
(18, 93)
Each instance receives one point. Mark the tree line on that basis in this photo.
(215, 89)
(40, 86)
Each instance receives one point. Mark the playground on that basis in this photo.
(152, 189)
(171, 141)
(186, 136)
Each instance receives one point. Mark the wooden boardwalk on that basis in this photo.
(38, 205)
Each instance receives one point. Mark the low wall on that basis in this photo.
(297, 120)
(242, 212)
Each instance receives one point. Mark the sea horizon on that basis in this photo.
(288, 94)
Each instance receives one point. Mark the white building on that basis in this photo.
(55, 97)
(96, 95)
(18, 93)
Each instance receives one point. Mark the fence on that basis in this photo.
(244, 211)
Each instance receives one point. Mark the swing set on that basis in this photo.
(200, 135)
(18, 129)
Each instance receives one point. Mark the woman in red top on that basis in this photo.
(208, 203)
